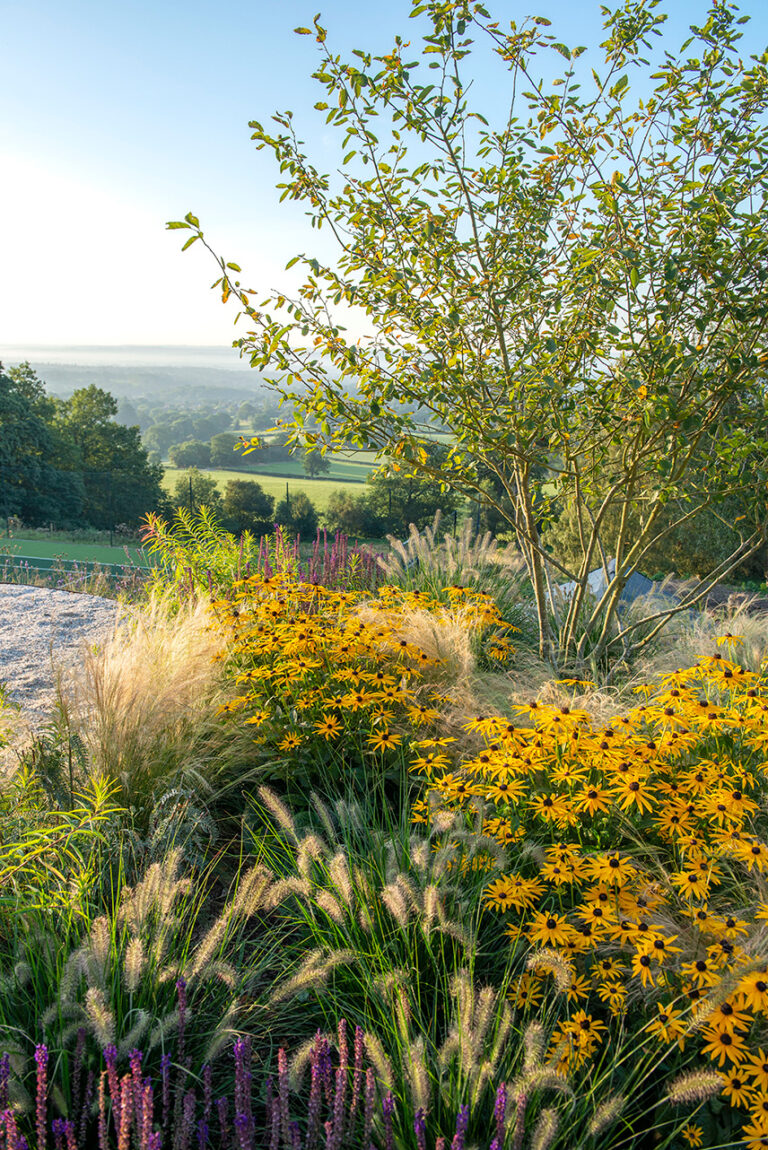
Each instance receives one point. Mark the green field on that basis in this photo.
(75, 552)
(318, 490)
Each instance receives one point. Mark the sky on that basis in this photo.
(117, 117)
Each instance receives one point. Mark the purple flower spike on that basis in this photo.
(41, 1058)
(5, 1073)
(500, 1112)
(420, 1128)
(57, 1128)
(388, 1109)
(462, 1122)
(222, 1106)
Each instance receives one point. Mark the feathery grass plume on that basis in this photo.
(100, 1017)
(251, 895)
(545, 1130)
(408, 888)
(284, 888)
(331, 905)
(420, 856)
(156, 893)
(224, 1034)
(302, 1057)
(280, 812)
(313, 973)
(416, 1073)
(22, 974)
(134, 964)
(100, 945)
(394, 987)
(163, 1029)
(696, 1086)
(379, 1061)
(552, 962)
(136, 1034)
(606, 1114)
(324, 814)
(351, 817)
(535, 1044)
(311, 849)
(144, 703)
(393, 900)
(338, 872)
(432, 901)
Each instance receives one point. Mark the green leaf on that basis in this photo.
(634, 277)
(189, 242)
(176, 224)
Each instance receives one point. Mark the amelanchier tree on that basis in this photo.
(579, 293)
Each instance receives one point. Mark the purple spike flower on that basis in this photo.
(313, 1110)
(165, 1075)
(41, 1058)
(500, 1112)
(222, 1106)
(462, 1122)
(181, 993)
(5, 1073)
(357, 1075)
(388, 1109)
(370, 1102)
(110, 1057)
(282, 1090)
(420, 1128)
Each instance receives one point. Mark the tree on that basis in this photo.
(298, 514)
(397, 497)
(352, 515)
(223, 449)
(120, 484)
(579, 294)
(315, 463)
(247, 507)
(32, 486)
(193, 490)
(193, 453)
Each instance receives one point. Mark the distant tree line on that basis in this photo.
(67, 461)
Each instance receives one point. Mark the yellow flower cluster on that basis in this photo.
(313, 672)
(648, 884)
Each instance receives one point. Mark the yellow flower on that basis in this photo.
(693, 1134)
(722, 1046)
(384, 741)
(290, 742)
(329, 726)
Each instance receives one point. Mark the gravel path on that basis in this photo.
(41, 629)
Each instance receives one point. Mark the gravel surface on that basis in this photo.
(40, 630)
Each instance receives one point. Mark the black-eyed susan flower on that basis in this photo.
(692, 1134)
(329, 726)
(549, 929)
(736, 1087)
(723, 1046)
(384, 740)
(752, 990)
(756, 1067)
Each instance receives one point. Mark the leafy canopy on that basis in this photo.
(577, 293)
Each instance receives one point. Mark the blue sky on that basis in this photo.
(118, 117)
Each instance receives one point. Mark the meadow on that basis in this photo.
(326, 856)
(318, 490)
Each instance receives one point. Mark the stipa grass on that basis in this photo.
(142, 704)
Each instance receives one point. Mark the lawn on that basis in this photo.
(57, 548)
(318, 490)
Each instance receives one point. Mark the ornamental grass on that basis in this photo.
(546, 920)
